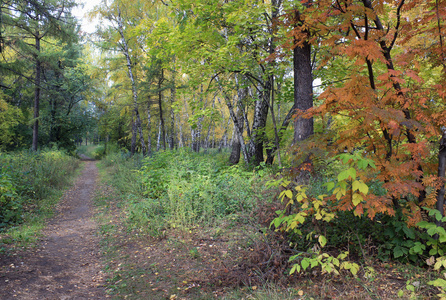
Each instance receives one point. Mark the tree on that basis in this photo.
(384, 102)
(119, 35)
(35, 20)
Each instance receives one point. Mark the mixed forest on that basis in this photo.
(323, 122)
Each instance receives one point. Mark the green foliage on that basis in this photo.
(399, 241)
(180, 189)
(10, 207)
(192, 189)
(435, 237)
(10, 117)
(28, 178)
(302, 210)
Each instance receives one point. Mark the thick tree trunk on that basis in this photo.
(234, 158)
(303, 90)
(37, 95)
(441, 176)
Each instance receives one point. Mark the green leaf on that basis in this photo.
(409, 233)
(305, 263)
(322, 240)
(355, 185)
(295, 268)
(343, 175)
(398, 251)
(438, 282)
(423, 224)
(363, 188)
(330, 185)
(352, 173)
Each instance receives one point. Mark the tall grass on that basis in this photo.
(31, 185)
(180, 189)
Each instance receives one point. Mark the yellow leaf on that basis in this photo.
(356, 199)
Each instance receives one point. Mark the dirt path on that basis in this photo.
(66, 264)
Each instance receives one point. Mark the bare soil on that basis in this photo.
(66, 262)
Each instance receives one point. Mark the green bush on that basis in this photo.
(26, 178)
(10, 207)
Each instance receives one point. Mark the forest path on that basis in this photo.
(66, 263)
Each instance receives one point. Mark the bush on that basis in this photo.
(26, 178)
(10, 207)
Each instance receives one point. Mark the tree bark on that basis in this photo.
(37, 95)
(234, 158)
(255, 153)
(173, 90)
(149, 119)
(136, 126)
(160, 104)
(303, 90)
(441, 176)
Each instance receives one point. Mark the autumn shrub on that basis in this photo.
(331, 215)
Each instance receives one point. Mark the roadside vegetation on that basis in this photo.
(186, 225)
(30, 186)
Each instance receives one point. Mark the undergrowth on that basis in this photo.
(180, 189)
(30, 185)
(207, 201)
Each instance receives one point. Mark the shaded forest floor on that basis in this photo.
(90, 253)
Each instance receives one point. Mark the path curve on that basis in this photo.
(66, 264)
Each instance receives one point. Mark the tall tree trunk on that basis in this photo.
(441, 176)
(37, 95)
(172, 112)
(137, 120)
(237, 126)
(149, 119)
(158, 140)
(234, 158)
(134, 133)
(303, 88)
(160, 104)
(258, 127)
